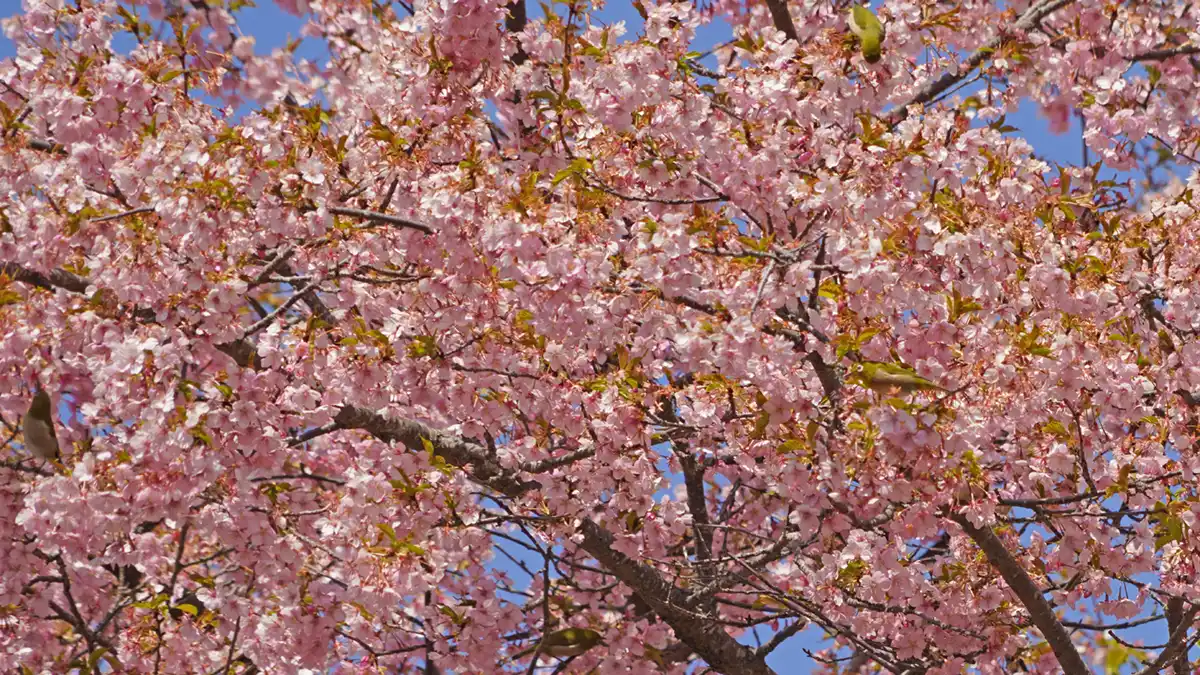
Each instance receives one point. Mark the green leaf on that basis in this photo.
(849, 576)
(9, 297)
(188, 608)
(761, 422)
(792, 446)
(1155, 75)
(389, 531)
(200, 435)
(1067, 211)
(448, 612)
(1056, 429)
(830, 290)
(422, 346)
(577, 167)
(95, 657)
(1171, 529)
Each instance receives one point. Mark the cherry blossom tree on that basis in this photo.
(496, 323)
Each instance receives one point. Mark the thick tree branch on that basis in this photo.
(55, 279)
(1175, 651)
(1164, 54)
(1174, 621)
(515, 23)
(46, 146)
(782, 18)
(454, 449)
(544, 465)
(1030, 595)
(707, 638)
(693, 478)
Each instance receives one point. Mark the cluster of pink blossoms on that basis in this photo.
(495, 323)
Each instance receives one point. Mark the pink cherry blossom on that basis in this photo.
(484, 326)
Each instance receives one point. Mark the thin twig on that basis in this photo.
(381, 218)
(124, 214)
(283, 307)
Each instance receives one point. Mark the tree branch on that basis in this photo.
(454, 449)
(381, 218)
(1164, 54)
(124, 214)
(283, 307)
(783, 18)
(1175, 652)
(706, 638)
(930, 91)
(515, 23)
(56, 279)
(1030, 595)
(1174, 621)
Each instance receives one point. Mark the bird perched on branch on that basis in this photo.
(886, 377)
(38, 427)
(566, 643)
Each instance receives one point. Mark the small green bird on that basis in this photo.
(869, 30)
(566, 643)
(886, 377)
(188, 603)
(38, 427)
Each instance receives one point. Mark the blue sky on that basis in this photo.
(272, 27)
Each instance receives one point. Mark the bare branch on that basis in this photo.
(1174, 621)
(781, 636)
(311, 299)
(1164, 54)
(1177, 645)
(545, 465)
(381, 218)
(123, 214)
(281, 257)
(299, 476)
(515, 23)
(46, 146)
(283, 307)
(316, 432)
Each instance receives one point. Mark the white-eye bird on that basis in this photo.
(38, 427)
(864, 24)
(885, 377)
(566, 643)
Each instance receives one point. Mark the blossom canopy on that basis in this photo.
(496, 324)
